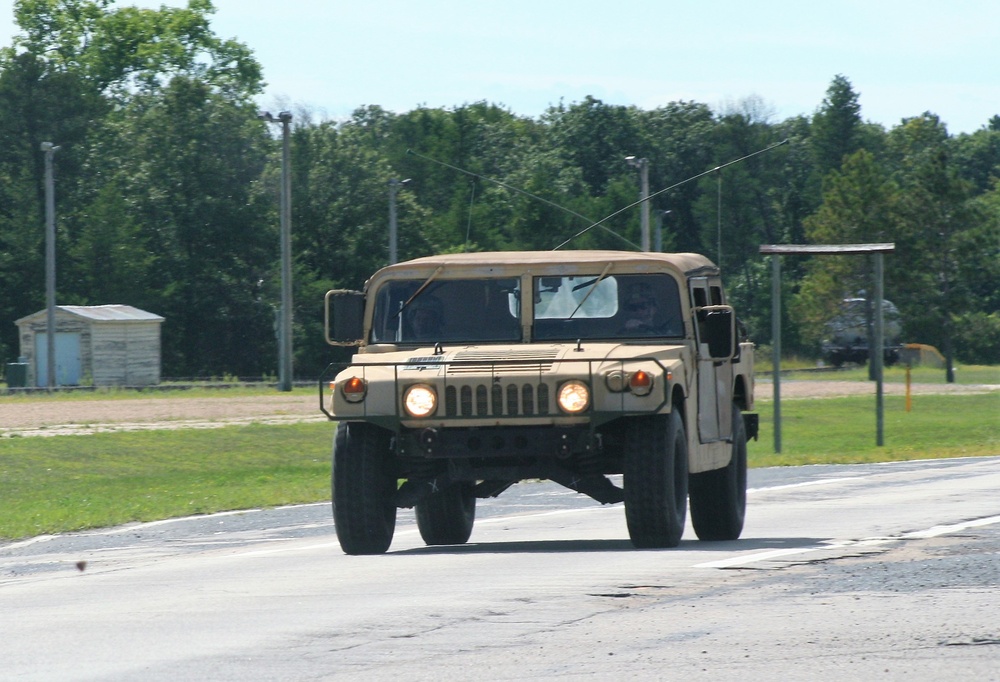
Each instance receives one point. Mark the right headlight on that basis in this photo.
(420, 400)
(574, 397)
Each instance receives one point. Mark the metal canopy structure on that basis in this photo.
(777, 250)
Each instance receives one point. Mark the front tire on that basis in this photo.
(655, 480)
(363, 485)
(719, 497)
(447, 517)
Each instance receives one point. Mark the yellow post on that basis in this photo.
(909, 404)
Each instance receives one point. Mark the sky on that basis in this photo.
(773, 57)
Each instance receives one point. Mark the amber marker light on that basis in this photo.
(354, 389)
(641, 383)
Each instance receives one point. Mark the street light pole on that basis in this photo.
(658, 243)
(285, 321)
(394, 186)
(50, 264)
(643, 166)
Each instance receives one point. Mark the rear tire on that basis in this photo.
(655, 480)
(719, 497)
(447, 517)
(363, 485)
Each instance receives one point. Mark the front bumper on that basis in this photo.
(496, 442)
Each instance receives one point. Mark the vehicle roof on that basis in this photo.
(687, 263)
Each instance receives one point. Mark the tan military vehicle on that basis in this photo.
(477, 371)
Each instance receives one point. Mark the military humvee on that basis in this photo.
(477, 371)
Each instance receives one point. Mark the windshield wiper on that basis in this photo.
(419, 291)
(597, 281)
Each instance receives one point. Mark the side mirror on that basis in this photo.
(344, 317)
(717, 329)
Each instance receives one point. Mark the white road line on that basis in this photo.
(953, 528)
(932, 532)
(804, 484)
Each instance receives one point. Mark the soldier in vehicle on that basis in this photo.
(643, 316)
(425, 317)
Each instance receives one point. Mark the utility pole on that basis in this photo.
(643, 166)
(394, 186)
(658, 243)
(50, 264)
(285, 320)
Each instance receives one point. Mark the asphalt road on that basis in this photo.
(886, 571)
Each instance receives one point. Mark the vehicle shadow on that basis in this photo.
(609, 545)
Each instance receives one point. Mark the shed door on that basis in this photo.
(68, 364)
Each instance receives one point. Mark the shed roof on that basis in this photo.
(102, 313)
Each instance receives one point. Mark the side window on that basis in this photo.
(716, 291)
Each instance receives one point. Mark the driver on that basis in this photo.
(645, 315)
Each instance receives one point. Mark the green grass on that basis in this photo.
(64, 483)
(843, 430)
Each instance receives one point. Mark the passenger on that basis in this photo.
(426, 318)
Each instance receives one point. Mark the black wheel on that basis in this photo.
(364, 488)
(655, 480)
(446, 517)
(719, 497)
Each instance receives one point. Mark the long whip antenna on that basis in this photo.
(524, 192)
(666, 189)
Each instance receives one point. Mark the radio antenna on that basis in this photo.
(599, 223)
(592, 224)
(666, 189)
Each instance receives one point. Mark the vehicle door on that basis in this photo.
(715, 379)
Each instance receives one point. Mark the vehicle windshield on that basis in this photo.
(448, 311)
(585, 306)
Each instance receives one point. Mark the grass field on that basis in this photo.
(843, 430)
(62, 483)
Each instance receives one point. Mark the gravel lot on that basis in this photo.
(23, 416)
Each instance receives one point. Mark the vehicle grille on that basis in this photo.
(510, 400)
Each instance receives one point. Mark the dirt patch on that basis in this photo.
(798, 388)
(20, 417)
(25, 417)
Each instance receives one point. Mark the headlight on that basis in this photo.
(574, 397)
(420, 400)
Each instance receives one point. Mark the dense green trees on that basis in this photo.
(168, 185)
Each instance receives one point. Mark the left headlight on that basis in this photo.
(574, 397)
(420, 400)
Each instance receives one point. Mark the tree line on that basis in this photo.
(167, 193)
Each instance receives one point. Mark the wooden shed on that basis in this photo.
(102, 345)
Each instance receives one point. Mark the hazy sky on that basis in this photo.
(903, 57)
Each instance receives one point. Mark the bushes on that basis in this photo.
(977, 338)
